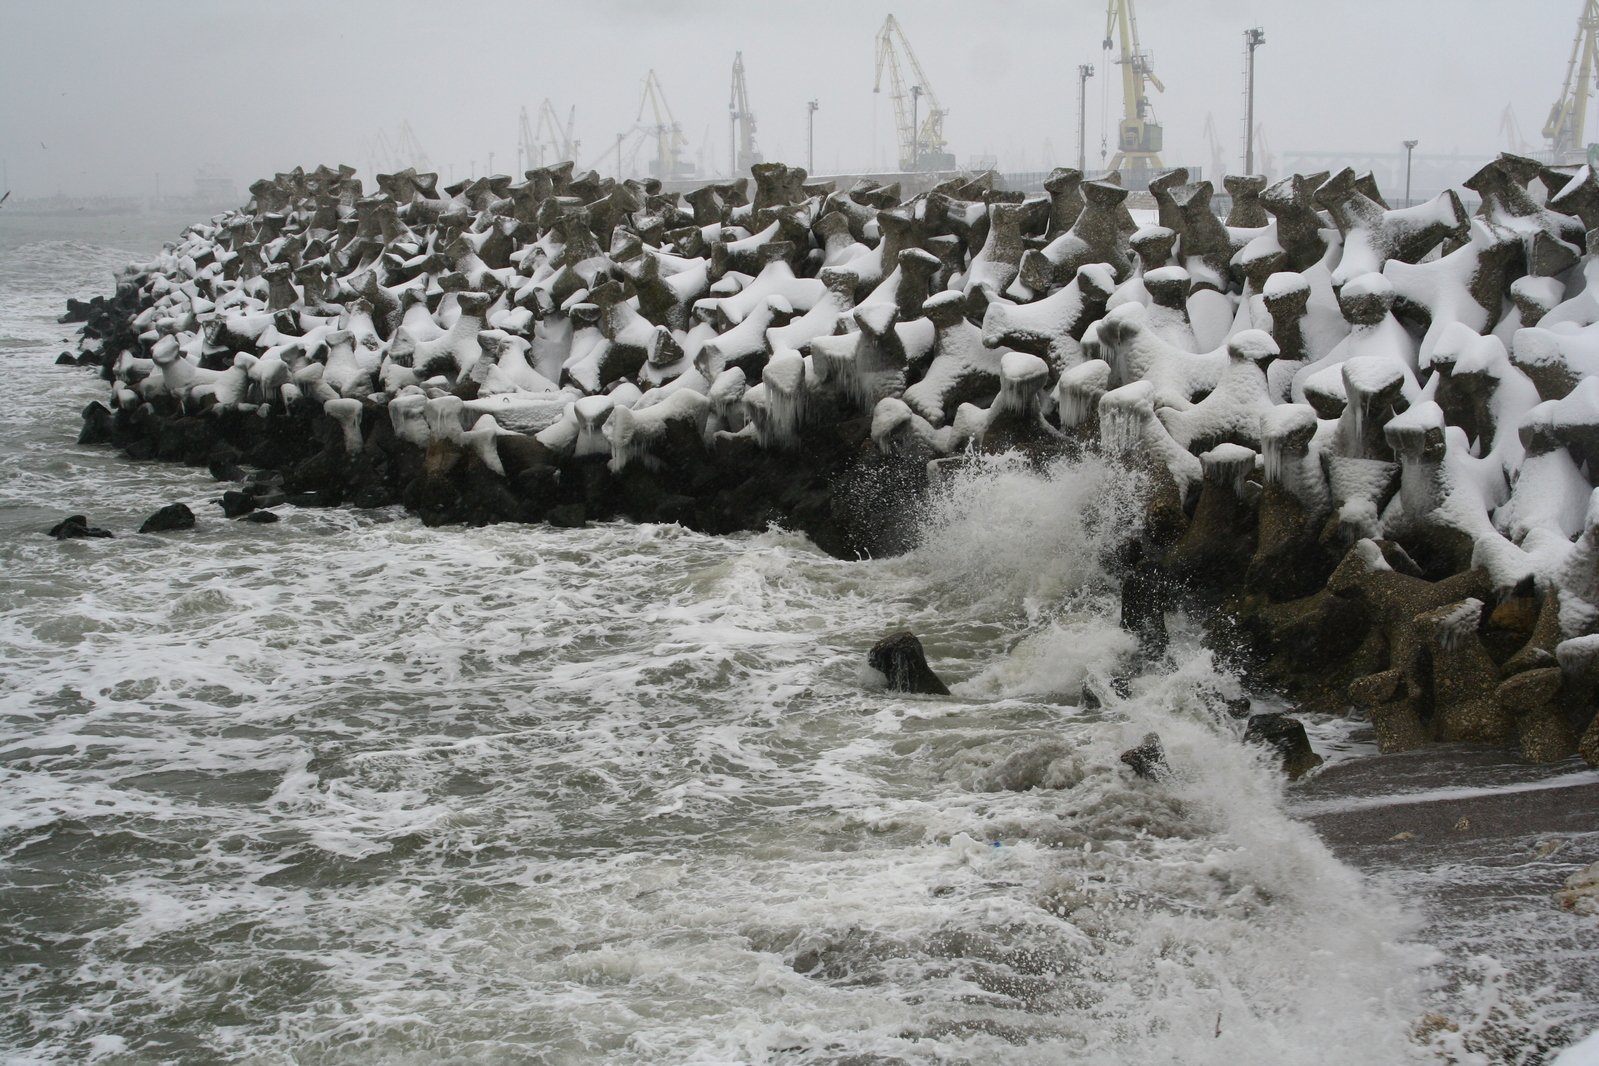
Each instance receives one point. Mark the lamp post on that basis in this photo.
(916, 129)
(1253, 39)
(1084, 72)
(1410, 146)
(811, 107)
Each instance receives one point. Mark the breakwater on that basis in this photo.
(1367, 431)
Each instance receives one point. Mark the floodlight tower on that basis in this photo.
(1253, 39)
(1084, 72)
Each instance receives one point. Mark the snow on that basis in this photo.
(1583, 1053)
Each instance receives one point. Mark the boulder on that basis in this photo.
(76, 527)
(900, 659)
(172, 516)
(1148, 759)
(235, 503)
(1287, 736)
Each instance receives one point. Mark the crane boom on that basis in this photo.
(1568, 117)
(741, 128)
(1139, 137)
(921, 143)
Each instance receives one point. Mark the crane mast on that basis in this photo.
(1138, 136)
(741, 123)
(1568, 117)
(921, 141)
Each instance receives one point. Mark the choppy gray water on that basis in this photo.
(349, 790)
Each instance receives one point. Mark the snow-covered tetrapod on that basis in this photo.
(1371, 434)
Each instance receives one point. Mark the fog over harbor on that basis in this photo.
(99, 99)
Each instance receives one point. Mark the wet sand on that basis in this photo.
(1360, 805)
(1478, 842)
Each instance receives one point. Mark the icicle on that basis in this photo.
(1122, 415)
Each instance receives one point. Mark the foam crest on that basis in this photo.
(1002, 529)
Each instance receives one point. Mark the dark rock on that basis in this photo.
(99, 425)
(76, 527)
(261, 518)
(172, 516)
(568, 516)
(899, 657)
(1287, 735)
(1145, 596)
(236, 503)
(66, 359)
(1148, 760)
(224, 470)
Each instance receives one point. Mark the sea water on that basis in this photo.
(346, 789)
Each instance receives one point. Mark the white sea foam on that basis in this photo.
(348, 789)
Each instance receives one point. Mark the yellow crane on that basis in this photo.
(921, 141)
(670, 143)
(742, 153)
(1138, 136)
(1568, 116)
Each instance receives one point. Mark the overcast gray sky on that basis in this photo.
(99, 97)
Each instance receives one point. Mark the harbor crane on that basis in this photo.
(536, 143)
(1568, 117)
(921, 143)
(389, 156)
(670, 144)
(1510, 132)
(1138, 136)
(742, 153)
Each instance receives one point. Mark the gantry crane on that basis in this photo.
(1138, 135)
(741, 124)
(669, 140)
(921, 142)
(1568, 117)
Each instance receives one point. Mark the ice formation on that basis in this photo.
(1375, 428)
